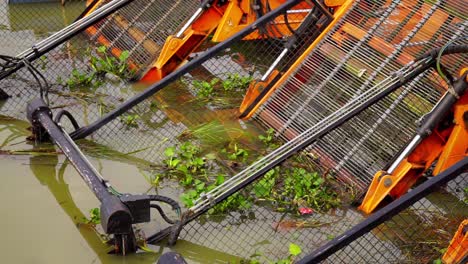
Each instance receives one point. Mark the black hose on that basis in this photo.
(63, 112)
(12, 62)
(452, 49)
(163, 215)
(159, 198)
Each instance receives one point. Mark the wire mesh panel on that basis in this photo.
(24, 24)
(420, 234)
(190, 133)
(372, 40)
(141, 29)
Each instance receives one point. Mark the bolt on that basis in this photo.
(387, 182)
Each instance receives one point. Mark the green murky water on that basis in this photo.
(45, 202)
(44, 198)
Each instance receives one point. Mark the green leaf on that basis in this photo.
(210, 156)
(169, 152)
(219, 179)
(102, 49)
(124, 56)
(174, 163)
(294, 249)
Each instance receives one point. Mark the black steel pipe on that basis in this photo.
(386, 213)
(62, 36)
(88, 130)
(116, 218)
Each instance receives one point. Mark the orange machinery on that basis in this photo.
(442, 139)
(216, 20)
(220, 19)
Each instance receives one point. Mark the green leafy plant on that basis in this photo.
(308, 189)
(235, 82)
(234, 152)
(130, 120)
(187, 161)
(110, 64)
(297, 187)
(205, 89)
(79, 80)
(94, 217)
(264, 187)
(233, 202)
(269, 138)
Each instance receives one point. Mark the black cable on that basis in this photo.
(43, 90)
(63, 112)
(163, 215)
(159, 198)
(13, 62)
(452, 49)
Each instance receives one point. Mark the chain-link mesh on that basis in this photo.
(178, 113)
(419, 234)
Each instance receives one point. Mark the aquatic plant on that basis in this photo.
(269, 139)
(186, 161)
(109, 64)
(79, 80)
(294, 251)
(233, 202)
(94, 216)
(296, 188)
(235, 82)
(205, 89)
(215, 87)
(211, 133)
(130, 120)
(99, 66)
(235, 152)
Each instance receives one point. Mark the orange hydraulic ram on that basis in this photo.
(441, 139)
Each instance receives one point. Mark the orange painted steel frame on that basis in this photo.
(458, 247)
(222, 21)
(447, 144)
(350, 31)
(340, 7)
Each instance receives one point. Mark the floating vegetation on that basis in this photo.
(294, 251)
(101, 65)
(292, 187)
(94, 217)
(212, 133)
(130, 120)
(223, 93)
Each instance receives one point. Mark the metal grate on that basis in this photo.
(371, 41)
(141, 29)
(167, 115)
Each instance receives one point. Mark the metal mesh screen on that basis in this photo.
(371, 41)
(141, 29)
(170, 117)
(419, 234)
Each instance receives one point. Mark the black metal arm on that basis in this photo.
(118, 211)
